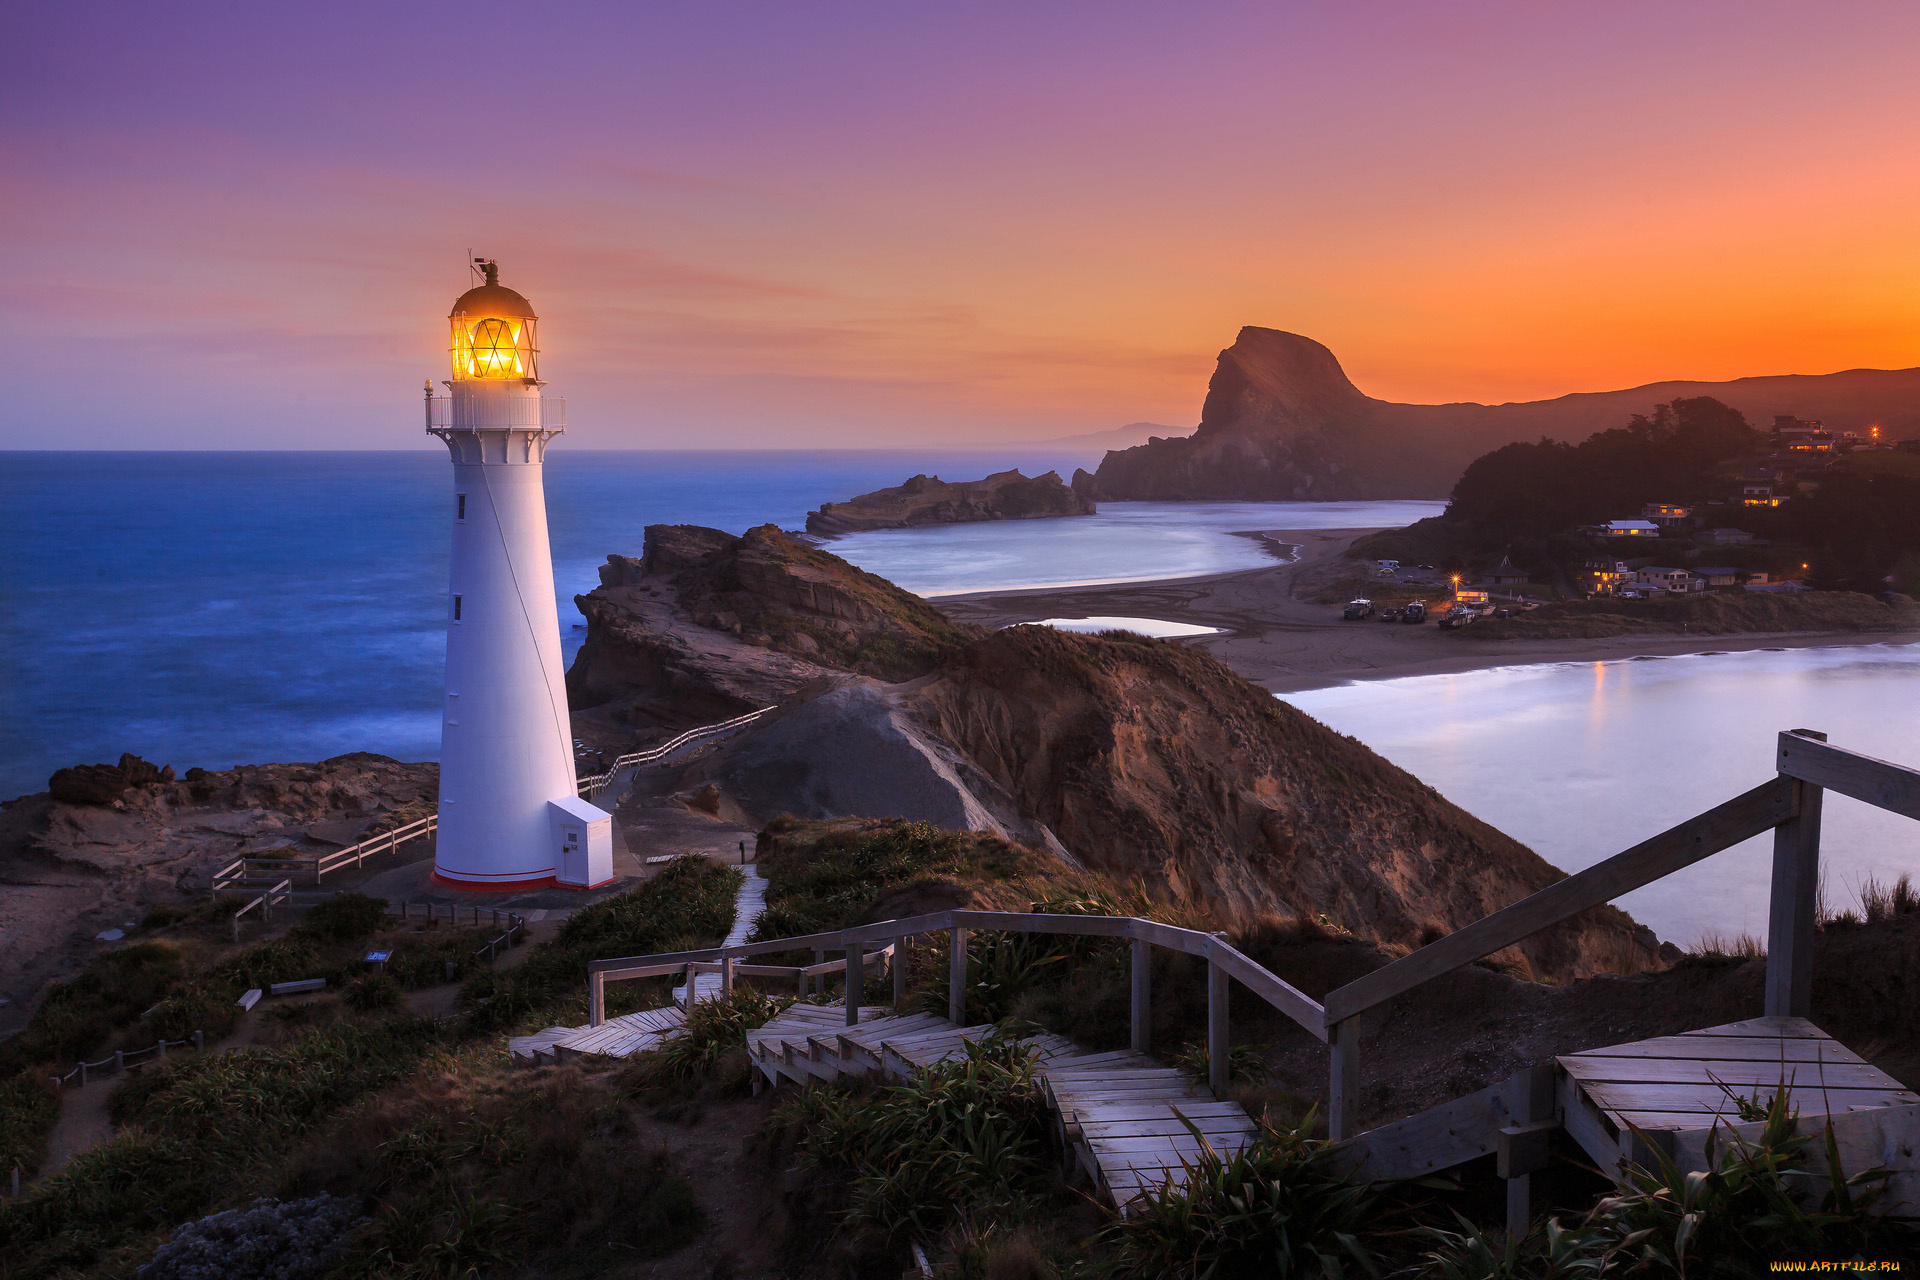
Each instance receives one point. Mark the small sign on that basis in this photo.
(378, 957)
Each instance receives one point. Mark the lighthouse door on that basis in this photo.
(573, 860)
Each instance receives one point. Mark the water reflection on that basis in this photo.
(1582, 760)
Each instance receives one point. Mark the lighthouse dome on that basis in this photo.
(493, 300)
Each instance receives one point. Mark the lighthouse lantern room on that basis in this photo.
(510, 814)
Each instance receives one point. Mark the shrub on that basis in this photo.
(962, 1139)
(1548, 1251)
(1266, 1210)
(77, 1016)
(687, 906)
(372, 993)
(715, 1030)
(265, 1241)
(29, 1106)
(1749, 1207)
(344, 917)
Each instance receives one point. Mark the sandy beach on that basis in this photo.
(1288, 644)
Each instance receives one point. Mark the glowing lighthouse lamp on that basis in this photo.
(510, 812)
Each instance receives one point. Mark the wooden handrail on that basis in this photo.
(1880, 783)
(597, 782)
(1701, 836)
(1224, 962)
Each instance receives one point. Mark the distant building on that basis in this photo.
(1667, 515)
(1505, 575)
(1789, 587)
(1628, 529)
(1759, 494)
(1717, 575)
(1798, 435)
(1910, 445)
(1723, 538)
(1603, 576)
(1677, 581)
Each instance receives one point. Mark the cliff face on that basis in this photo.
(923, 500)
(1282, 421)
(705, 625)
(1152, 760)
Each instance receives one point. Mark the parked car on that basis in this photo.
(1357, 609)
(1390, 615)
(1458, 618)
(1415, 613)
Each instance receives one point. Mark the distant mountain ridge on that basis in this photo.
(1282, 421)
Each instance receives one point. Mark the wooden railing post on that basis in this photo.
(957, 976)
(856, 982)
(1792, 909)
(1142, 994)
(597, 999)
(1217, 1052)
(1343, 1086)
(819, 979)
(899, 966)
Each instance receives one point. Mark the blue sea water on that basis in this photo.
(221, 608)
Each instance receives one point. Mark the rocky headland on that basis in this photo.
(1146, 761)
(924, 500)
(1283, 422)
(705, 625)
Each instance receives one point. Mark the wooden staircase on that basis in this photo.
(1123, 1118)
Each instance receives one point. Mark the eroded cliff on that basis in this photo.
(1152, 760)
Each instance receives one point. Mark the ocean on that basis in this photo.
(221, 608)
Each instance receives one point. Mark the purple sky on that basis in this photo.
(754, 224)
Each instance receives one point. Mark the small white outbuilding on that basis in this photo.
(583, 836)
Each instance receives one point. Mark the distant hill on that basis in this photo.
(1134, 433)
(1283, 421)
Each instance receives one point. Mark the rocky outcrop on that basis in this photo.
(706, 625)
(924, 500)
(1282, 421)
(1152, 761)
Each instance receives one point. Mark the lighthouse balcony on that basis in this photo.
(480, 413)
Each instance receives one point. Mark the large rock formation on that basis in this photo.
(1005, 495)
(1283, 422)
(705, 625)
(1151, 760)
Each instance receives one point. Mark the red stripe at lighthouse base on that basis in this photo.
(493, 886)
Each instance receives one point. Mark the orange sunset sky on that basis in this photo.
(746, 225)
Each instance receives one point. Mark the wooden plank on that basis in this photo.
(1211, 1126)
(1721, 827)
(1731, 1049)
(1435, 1139)
(1193, 1108)
(1708, 1100)
(1792, 1027)
(1142, 994)
(1742, 1076)
(1585, 1123)
(1881, 783)
(1792, 905)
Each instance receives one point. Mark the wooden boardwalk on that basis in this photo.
(748, 902)
(1675, 1088)
(1123, 1117)
(638, 1032)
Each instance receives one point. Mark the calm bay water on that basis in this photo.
(216, 608)
(1582, 760)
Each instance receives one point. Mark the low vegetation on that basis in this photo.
(687, 906)
(1717, 613)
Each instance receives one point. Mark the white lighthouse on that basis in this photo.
(510, 814)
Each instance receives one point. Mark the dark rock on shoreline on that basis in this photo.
(924, 500)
